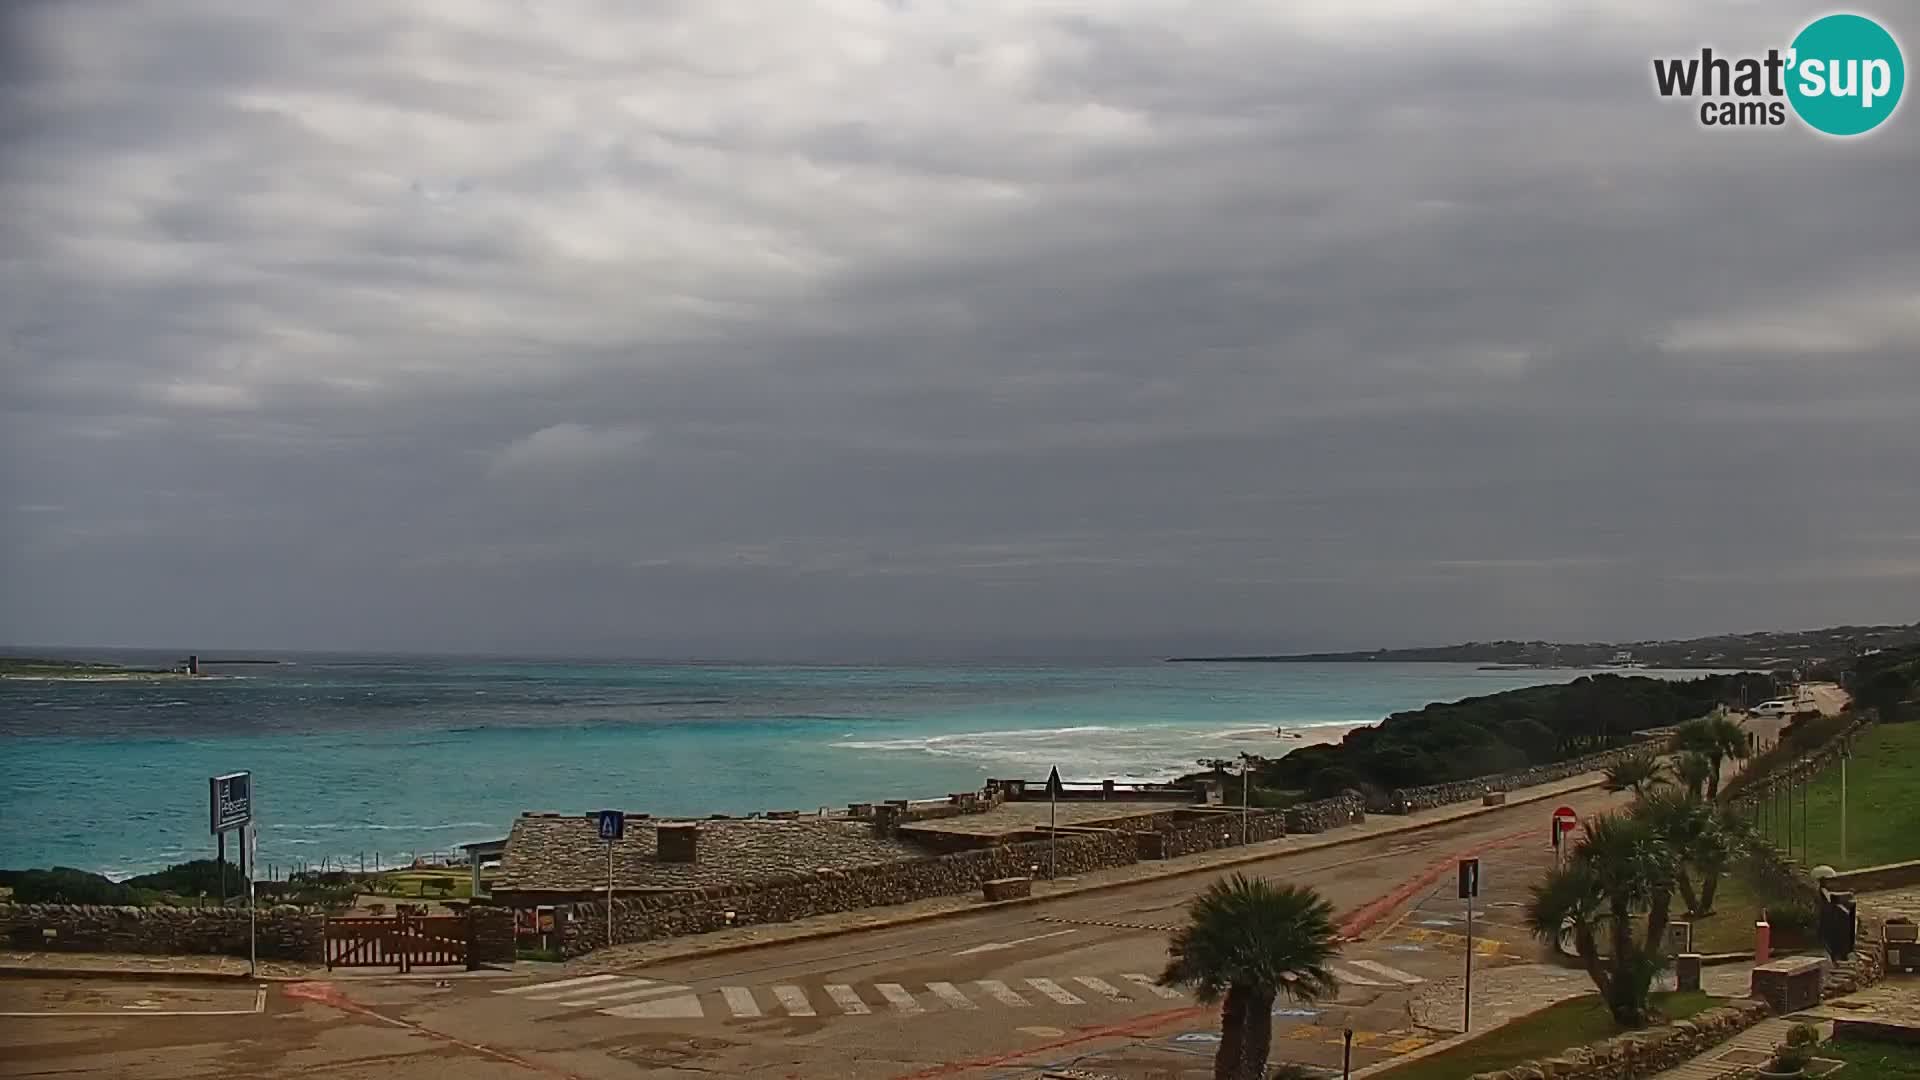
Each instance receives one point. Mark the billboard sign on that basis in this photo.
(230, 801)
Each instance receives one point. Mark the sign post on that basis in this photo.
(1846, 751)
(1053, 823)
(230, 806)
(1564, 821)
(253, 918)
(1470, 888)
(613, 826)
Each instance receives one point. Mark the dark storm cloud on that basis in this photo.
(717, 328)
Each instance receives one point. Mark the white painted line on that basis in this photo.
(589, 993)
(899, 997)
(561, 985)
(1393, 973)
(1148, 982)
(951, 994)
(654, 990)
(1101, 987)
(740, 1000)
(848, 1001)
(1000, 993)
(1351, 978)
(1055, 991)
(794, 1000)
(996, 946)
(685, 1007)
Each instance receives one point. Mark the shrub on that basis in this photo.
(65, 885)
(201, 877)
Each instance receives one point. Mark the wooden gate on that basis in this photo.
(398, 941)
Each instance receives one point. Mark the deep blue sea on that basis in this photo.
(385, 758)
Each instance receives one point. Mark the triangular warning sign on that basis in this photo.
(1054, 786)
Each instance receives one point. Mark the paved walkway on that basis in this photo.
(115, 964)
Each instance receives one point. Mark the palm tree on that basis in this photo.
(1620, 866)
(1693, 769)
(1639, 774)
(1715, 737)
(1705, 839)
(1247, 942)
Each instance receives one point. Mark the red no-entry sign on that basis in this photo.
(1564, 822)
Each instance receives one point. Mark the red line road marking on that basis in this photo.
(1356, 922)
(331, 995)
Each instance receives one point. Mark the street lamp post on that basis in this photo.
(1246, 774)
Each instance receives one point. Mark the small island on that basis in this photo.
(19, 667)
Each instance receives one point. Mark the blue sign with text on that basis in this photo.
(613, 825)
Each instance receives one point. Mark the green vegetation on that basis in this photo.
(27, 667)
(435, 884)
(1247, 942)
(1514, 729)
(1542, 1034)
(1874, 1060)
(1883, 816)
(1714, 738)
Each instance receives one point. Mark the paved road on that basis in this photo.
(998, 994)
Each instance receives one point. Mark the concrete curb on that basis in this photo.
(1273, 849)
(21, 971)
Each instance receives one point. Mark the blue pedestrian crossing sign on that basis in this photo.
(613, 825)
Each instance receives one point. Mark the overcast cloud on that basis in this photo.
(878, 328)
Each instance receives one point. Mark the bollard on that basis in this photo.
(1762, 942)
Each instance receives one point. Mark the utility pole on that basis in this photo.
(1846, 751)
(1246, 774)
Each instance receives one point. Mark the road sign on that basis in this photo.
(1054, 786)
(230, 801)
(1564, 822)
(613, 825)
(1469, 878)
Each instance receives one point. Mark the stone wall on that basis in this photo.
(1210, 832)
(1409, 800)
(1877, 878)
(798, 896)
(491, 939)
(1323, 814)
(1642, 1053)
(283, 933)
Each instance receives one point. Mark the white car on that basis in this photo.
(1775, 707)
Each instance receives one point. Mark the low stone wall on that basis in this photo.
(698, 911)
(1323, 814)
(283, 933)
(1877, 878)
(1210, 832)
(491, 936)
(1410, 800)
(1642, 1053)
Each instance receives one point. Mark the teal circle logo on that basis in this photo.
(1846, 74)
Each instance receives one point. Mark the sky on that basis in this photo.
(918, 328)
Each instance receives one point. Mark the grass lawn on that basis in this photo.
(1873, 1060)
(1882, 814)
(408, 884)
(1571, 1023)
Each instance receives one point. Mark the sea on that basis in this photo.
(381, 760)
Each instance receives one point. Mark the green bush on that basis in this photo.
(65, 885)
(201, 877)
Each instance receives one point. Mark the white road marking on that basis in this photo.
(1055, 991)
(899, 997)
(1393, 973)
(561, 985)
(794, 1000)
(740, 1000)
(685, 1007)
(1352, 978)
(1147, 981)
(653, 990)
(580, 995)
(1000, 993)
(996, 946)
(848, 1001)
(1101, 987)
(951, 994)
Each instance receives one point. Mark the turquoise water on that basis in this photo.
(387, 758)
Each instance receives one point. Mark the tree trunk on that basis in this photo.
(1589, 951)
(1685, 884)
(1257, 1043)
(1713, 780)
(1709, 885)
(1233, 1022)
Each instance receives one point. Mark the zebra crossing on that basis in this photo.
(635, 997)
